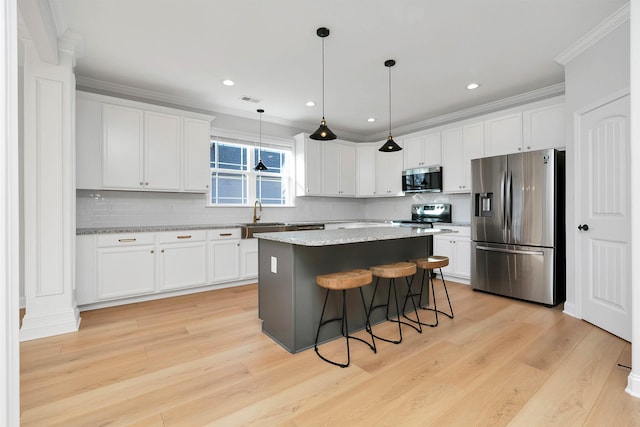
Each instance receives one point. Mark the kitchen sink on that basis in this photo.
(248, 230)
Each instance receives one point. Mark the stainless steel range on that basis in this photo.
(429, 213)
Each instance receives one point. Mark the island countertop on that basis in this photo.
(350, 235)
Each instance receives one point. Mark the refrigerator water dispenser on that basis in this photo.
(484, 204)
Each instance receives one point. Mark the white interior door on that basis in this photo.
(604, 270)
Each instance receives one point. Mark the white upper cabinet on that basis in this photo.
(544, 127)
(346, 170)
(503, 135)
(122, 147)
(388, 173)
(197, 136)
(422, 150)
(308, 166)
(459, 146)
(535, 127)
(366, 170)
(127, 145)
(162, 147)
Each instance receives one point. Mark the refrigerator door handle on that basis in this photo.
(502, 201)
(509, 251)
(508, 207)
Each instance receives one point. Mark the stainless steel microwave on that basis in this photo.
(422, 180)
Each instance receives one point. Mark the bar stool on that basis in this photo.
(341, 282)
(427, 264)
(392, 272)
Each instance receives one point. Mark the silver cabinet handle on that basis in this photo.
(225, 234)
(126, 240)
(184, 237)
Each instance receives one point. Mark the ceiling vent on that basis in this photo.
(250, 99)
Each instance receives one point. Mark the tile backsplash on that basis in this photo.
(96, 209)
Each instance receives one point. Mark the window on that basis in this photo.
(234, 182)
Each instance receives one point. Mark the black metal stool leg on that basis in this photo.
(344, 328)
(423, 307)
(392, 284)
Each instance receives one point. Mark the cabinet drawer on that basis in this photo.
(125, 239)
(224, 233)
(182, 236)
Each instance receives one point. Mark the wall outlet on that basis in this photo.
(274, 265)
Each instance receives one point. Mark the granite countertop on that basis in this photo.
(350, 235)
(159, 228)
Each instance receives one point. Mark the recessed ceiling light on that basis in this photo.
(310, 104)
(371, 119)
(228, 82)
(472, 86)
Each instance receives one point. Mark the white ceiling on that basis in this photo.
(183, 49)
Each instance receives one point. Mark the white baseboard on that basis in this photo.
(633, 385)
(49, 324)
(570, 309)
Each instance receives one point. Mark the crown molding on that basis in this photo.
(479, 110)
(114, 89)
(618, 18)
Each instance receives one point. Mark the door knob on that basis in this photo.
(583, 227)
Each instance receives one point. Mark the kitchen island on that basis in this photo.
(290, 302)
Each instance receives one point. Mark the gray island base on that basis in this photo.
(290, 302)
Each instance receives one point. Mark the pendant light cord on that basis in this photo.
(389, 100)
(322, 78)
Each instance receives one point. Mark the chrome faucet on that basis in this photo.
(256, 218)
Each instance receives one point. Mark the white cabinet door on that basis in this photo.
(308, 166)
(457, 247)
(122, 147)
(459, 146)
(163, 144)
(388, 173)
(544, 127)
(503, 135)
(462, 254)
(472, 148)
(347, 170)
(421, 151)
(183, 265)
(224, 260)
(452, 164)
(366, 170)
(248, 258)
(125, 271)
(330, 170)
(88, 143)
(197, 142)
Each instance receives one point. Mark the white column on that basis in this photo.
(9, 219)
(49, 196)
(633, 382)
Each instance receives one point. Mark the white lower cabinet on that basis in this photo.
(248, 258)
(458, 248)
(224, 255)
(183, 259)
(119, 266)
(125, 265)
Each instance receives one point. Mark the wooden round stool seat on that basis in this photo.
(429, 263)
(394, 270)
(345, 280)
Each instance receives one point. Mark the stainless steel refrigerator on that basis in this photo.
(518, 226)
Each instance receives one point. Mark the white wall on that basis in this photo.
(596, 73)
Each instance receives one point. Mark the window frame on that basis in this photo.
(252, 143)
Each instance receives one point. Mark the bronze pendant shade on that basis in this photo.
(390, 145)
(323, 133)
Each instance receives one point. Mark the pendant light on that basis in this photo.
(260, 166)
(323, 133)
(390, 145)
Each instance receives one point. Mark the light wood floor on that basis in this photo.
(202, 360)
